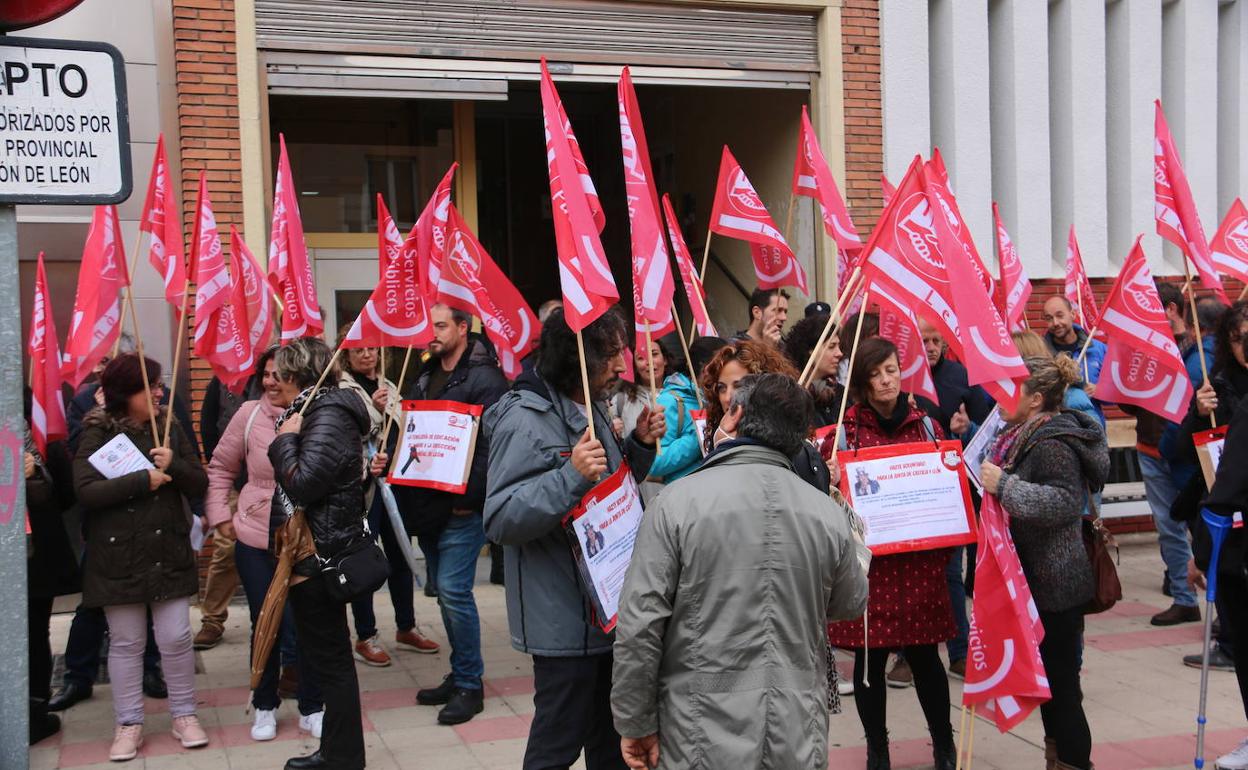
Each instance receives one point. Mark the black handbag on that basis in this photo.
(356, 571)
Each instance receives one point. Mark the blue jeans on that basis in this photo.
(1160, 491)
(400, 581)
(255, 571)
(957, 595)
(452, 557)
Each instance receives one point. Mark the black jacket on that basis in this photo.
(476, 379)
(954, 389)
(321, 468)
(51, 566)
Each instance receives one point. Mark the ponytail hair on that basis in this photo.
(1050, 377)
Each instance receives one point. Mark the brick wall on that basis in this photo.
(864, 124)
(207, 88)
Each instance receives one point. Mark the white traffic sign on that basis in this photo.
(64, 132)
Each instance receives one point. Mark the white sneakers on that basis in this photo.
(312, 723)
(264, 728)
(1236, 760)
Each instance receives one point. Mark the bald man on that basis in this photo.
(1066, 336)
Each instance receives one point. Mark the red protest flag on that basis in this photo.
(1014, 288)
(939, 181)
(1006, 674)
(887, 190)
(257, 306)
(1142, 365)
(472, 282)
(290, 271)
(163, 221)
(739, 213)
(1077, 288)
(1175, 210)
(1229, 246)
(96, 321)
(653, 287)
(688, 273)
(584, 275)
(395, 313)
(813, 178)
(220, 338)
(899, 326)
(47, 408)
(428, 237)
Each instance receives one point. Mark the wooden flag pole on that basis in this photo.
(706, 255)
(684, 346)
(1243, 292)
(961, 737)
(833, 321)
(1200, 345)
(589, 399)
(840, 417)
(1087, 375)
(970, 743)
(177, 355)
(128, 299)
(658, 443)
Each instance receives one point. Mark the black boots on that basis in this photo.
(877, 754)
(945, 756)
(463, 705)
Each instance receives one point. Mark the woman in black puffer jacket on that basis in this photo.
(318, 462)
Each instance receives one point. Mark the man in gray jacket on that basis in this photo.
(541, 463)
(721, 642)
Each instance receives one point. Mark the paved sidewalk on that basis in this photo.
(1141, 701)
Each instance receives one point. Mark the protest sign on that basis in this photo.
(1209, 444)
(436, 445)
(119, 457)
(601, 531)
(699, 424)
(979, 447)
(912, 497)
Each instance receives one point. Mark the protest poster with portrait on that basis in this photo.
(1209, 445)
(979, 447)
(601, 531)
(699, 424)
(436, 445)
(912, 497)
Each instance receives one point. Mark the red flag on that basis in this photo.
(688, 273)
(887, 190)
(1013, 289)
(163, 221)
(588, 286)
(1143, 365)
(914, 254)
(472, 282)
(899, 326)
(47, 409)
(1229, 246)
(256, 305)
(813, 178)
(220, 338)
(1175, 210)
(1006, 674)
(428, 237)
(1078, 290)
(395, 313)
(653, 287)
(739, 213)
(96, 321)
(939, 181)
(290, 272)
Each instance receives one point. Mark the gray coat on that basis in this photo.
(721, 644)
(1045, 494)
(530, 487)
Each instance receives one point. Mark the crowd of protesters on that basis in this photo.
(711, 665)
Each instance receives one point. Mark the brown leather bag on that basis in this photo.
(1097, 539)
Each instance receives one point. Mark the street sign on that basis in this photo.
(64, 129)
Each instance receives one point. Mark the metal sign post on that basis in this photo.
(64, 139)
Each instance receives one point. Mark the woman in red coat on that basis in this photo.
(908, 606)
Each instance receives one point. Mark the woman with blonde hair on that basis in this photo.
(1043, 469)
(1032, 345)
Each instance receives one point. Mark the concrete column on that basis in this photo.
(904, 84)
(961, 121)
(1133, 68)
(1189, 90)
(1233, 98)
(1019, 75)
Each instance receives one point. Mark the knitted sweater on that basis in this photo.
(1045, 493)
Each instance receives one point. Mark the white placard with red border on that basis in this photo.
(912, 497)
(436, 445)
(699, 424)
(602, 530)
(1209, 445)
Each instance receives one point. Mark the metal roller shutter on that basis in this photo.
(589, 31)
